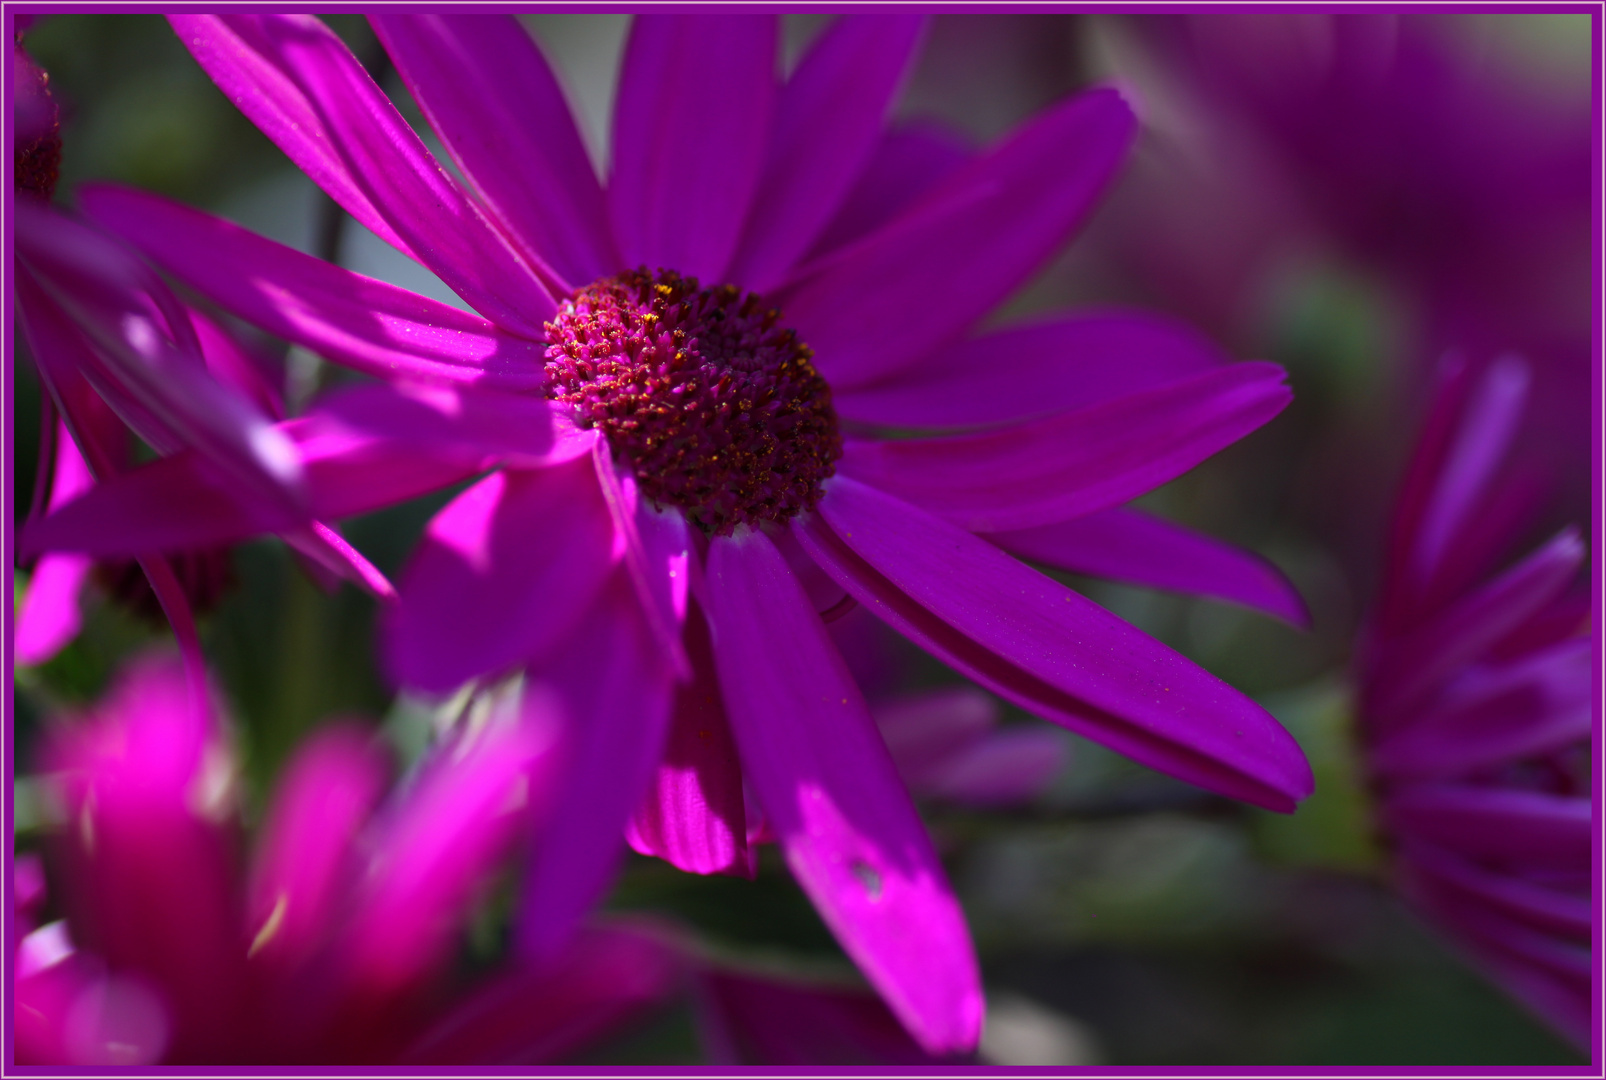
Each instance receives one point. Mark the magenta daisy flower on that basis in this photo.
(1476, 703)
(710, 350)
(335, 946)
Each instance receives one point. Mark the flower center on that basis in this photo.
(711, 402)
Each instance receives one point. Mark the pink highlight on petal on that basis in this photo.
(49, 617)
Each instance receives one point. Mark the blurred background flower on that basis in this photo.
(1348, 196)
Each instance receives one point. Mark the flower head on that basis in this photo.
(335, 946)
(1476, 708)
(671, 514)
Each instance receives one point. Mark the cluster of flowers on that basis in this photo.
(702, 410)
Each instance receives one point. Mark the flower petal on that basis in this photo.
(613, 689)
(876, 306)
(1005, 768)
(1416, 662)
(1129, 545)
(501, 575)
(1527, 829)
(1544, 909)
(437, 844)
(1051, 651)
(488, 92)
(540, 1014)
(309, 842)
(233, 53)
(926, 728)
(439, 225)
(1073, 463)
(828, 120)
(1538, 705)
(690, 122)
(832, 795)
(910, 160)
(693, 816)
(662, 594)
(134, 343)
(1036, 369)
(48, 618)
(327, 549)
(365, 324)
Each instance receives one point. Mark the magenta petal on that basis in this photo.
(909, 162)
(613, 689)
(1073, 463)
(828, 120)
(234, 55)
(1050, 650)
(924, 729)
(440, 225)
(135, 344)
(305, 857)
(832, 794)
(539, 1014)
(652, 571)
(232, 366)
(1541, 908)
(689, 130)
(1034, 370)
(1131, 546)
(489, 94)
(49, 617)
(436, 845)
(1528, 829)
(523, 430)
(169, 505)
(963, 248)
(1420, 659)
(501, 575)
(328, 550)
(1538, 705)
(365, 324)
(693, 815)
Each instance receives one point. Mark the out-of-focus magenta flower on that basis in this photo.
(336, 946)
(705, 483)
(1476, 695)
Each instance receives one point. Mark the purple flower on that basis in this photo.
(689, 476)
(1476, 707)
(335, 946)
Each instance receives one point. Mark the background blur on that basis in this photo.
(1350, 197)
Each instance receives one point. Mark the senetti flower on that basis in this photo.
(711, 346)
(335, 946)
(1476, 703)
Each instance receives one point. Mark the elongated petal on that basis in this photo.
(49, 617)
(1033, 370)
(438, 224)
(1535, 706)
(1005, 768)
(539, 1014)
(827, 123)
(501, 575)
(1129, 545)
(354, 320)
(326, 548)
(1048, 649)
(233, 366)
(1077, 462)
(1458, 634)
(910, 160)
(1544, 909)
(1520, 828)
(963, 248)
(436, 845)
(489, 94)
(139, 350)
(652, 571)
(693, 815)
(614, 690)
(924, 729)
(690, 124)
(233, 53)
(832, 795)
(308, 849)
